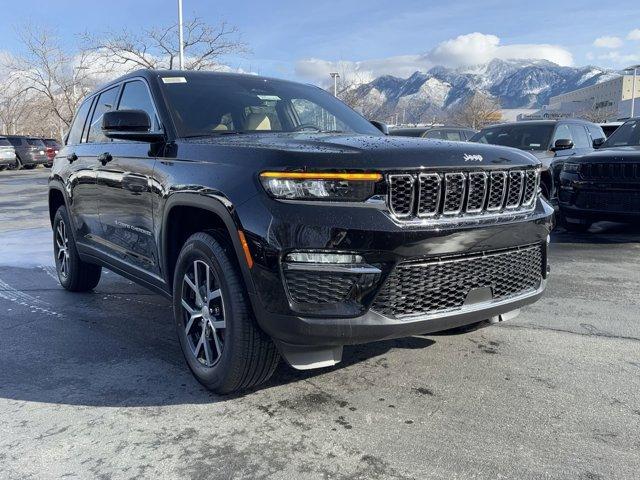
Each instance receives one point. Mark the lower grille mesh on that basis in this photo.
(314, 288)
(442, 285)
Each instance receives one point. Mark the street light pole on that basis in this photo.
(633, 87)
(180, 35)
(335, 76)
(633, 92)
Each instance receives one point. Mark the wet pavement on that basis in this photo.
(95, 386)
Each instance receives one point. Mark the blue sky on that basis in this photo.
(395, 36)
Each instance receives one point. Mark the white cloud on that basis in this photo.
(471, 49)
(618, 58)
(634, 34)
(477, 48)
(608, 42)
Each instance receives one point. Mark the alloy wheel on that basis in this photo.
(62, 249)
(203, 313)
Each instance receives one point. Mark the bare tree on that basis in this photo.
(158, 48)
(45, 72)
(597, 114)
(476, 111)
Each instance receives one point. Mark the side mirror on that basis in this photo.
(383, 127)
(562, 144)
(129, 125)
(598, 142)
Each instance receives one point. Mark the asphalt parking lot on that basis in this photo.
(95, 386)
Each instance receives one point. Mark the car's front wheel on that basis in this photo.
(220, 339)
(73, 274)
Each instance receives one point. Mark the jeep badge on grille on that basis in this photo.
(472, 158)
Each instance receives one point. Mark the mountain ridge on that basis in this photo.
(517, 84)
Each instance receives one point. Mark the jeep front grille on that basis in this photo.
(443, 284)
(610, 171)
(461, 194)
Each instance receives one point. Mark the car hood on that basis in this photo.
(361, 151)
(612, 155)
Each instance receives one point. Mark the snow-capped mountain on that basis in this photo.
(516, 83)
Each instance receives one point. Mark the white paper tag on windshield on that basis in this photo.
(273, 98)
(174, 80)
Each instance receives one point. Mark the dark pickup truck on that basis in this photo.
(282, 223)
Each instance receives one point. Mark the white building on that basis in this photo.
(612, 97)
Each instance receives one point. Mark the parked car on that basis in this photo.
(407, 132)
(52, 149)
(30, 152)
(456, 134)
(605, 184)
(281, 222)
(459, 134)
(551, 141)
(610, 127)
(7, 154)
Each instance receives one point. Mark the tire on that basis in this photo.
(2, 167)
(233, 354)
(18, 165)
(74, 274)
(29, 167)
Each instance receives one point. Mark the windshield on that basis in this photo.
(205, 105)
(524, 137)
(627, 135)
(35, 142)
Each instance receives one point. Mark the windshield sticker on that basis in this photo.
(274, 98)
(174, 80)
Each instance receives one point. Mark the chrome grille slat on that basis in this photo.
(401, 194)
(429, 193)
(432, 196)
(516, 187)
(497, 190)
(477, 192)
(455, 185)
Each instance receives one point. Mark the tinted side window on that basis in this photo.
(106, 101)
(453, 135)
(16, 142)
(580, 137)
(562, 133)
(135, 96)
(432, 134)
(75, 133)
(596, 132)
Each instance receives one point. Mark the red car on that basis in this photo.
(52, 149)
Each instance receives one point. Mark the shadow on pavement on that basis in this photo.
(605, 233)
(115, 347)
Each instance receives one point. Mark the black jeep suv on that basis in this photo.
(281, 222)
(605, 184)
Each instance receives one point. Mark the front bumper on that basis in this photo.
(592, 201)
(383, 244)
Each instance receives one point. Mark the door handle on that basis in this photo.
(105, 158)
(72, 157)
(135, 183)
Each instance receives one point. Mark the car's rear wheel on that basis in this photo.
(73, 274)
(2, 167)
(220, 339)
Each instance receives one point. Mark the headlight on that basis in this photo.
(571, 167)
(337, 187)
